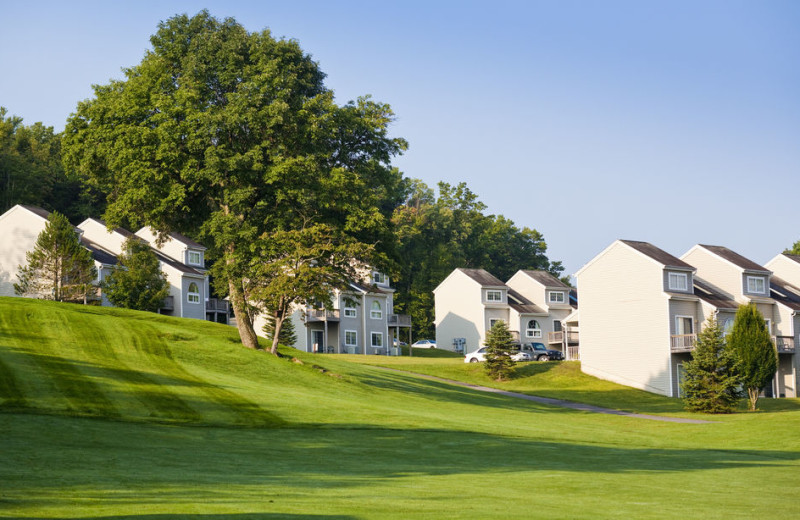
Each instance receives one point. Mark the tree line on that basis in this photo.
(233, 138)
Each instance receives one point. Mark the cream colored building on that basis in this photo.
(641, 309)
(532, 303)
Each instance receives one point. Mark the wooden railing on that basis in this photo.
(398, 320)
(682, 342)
(573, 354)
(213, 304)
(558, 337)
(784, 344)
(322, 315)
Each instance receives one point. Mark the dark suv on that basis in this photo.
(541, 353)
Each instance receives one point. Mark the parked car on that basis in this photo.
(424, 343)
(397, 343)
(539, 352)
(480, 355)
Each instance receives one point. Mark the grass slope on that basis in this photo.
(117, 414)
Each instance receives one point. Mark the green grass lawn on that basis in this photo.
(118, 414)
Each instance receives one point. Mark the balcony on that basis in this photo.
(398, 320)
(169, 304)
(784, 344)
(682, 342)
(558, 337)
(322, 315)
(215, 305)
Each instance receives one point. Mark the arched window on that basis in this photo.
(376, 313)
(533, 330)
(193, 294)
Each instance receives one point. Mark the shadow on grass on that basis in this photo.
(248, 516)
(48, 456)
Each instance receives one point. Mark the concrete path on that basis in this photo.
(554, 402)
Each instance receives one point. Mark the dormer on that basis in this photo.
(379, 279)
(178, 247)
(494, 295)
(678, 280)
(738, 277)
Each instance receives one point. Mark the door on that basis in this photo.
(317, 341)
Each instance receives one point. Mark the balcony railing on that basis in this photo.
(682, 342)
(213, 304)
(168, 304)
(573, 354)
(322, 315)
(784, 344)
(558, 337)
(398, 320)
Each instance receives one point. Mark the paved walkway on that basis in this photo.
(554, 402)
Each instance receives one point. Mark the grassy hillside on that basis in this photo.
(117, 414)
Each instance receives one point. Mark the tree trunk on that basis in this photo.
(244, 322)
(278, 317)
(753, 397)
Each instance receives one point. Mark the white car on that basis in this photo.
(480, 355)
(424, 343)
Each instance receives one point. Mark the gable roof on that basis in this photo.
(790, 256)
(545, 278)
(521, 304)
(657, 254)
(785, 293)
(483, 277)
(122, 231)
(186, 240)
(98, 253)
(710, 295)
(36, 210)
(735, 258)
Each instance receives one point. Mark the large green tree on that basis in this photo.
(711, 383)
(756, 356)
(58, 267)
(232, 137)
(436, 235)
(137, 281)
(31, 171)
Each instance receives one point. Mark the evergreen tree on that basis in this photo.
(137, 282)
(498, 364)
(58, 268)
(756, 356)
(286, 336)
(711, 384)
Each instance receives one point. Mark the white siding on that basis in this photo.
(459, 311)
(625, 320)
(723, 275)
(19, 229)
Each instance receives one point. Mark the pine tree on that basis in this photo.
(498, 364)
(756, 356)
(58, 268)
(711, 384)
(287, 335)
(137, 282)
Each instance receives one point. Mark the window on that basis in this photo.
(494, 296)
(556, 326)
(678, 282)
(350, 309)
(556, 297)
(492, 321)
(350, 338)
(378, 278)
(375, 313)
(534, 330)
(684, 325)
(377, 339)
(727, 326)
(193, 294)
(195, 258)
(755, 284)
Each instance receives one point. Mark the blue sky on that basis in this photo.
(670, 122)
